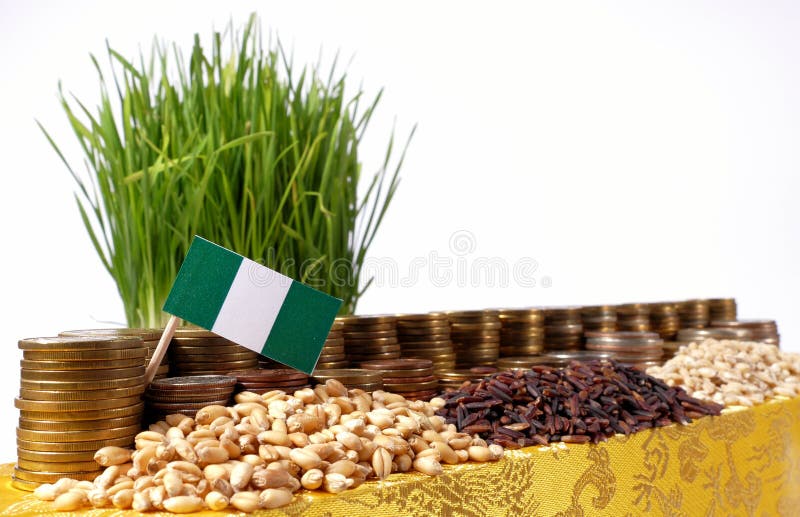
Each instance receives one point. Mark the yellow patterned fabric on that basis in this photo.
(745, 462)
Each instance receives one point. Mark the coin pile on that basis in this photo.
(633, 317)
(411, 378)
(77, 394)
(261, 381)
(333, 355)
(453, 380)
(368, 338)
(186, 395)
(765, 331)
(694, 314)
(563, 329)
(352, 378)
(521, 332)
(426, 336)
(475, 336)
(599, 318)
(635, 348)
(150, 338)
(664, 319)
(195, 351)
(722, 309)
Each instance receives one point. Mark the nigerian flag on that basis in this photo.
(252, 305)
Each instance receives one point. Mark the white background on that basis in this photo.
(636, 152)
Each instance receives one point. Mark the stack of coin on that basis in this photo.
(426, 336)
(186, 395)
(455, 379)
(352, 378)
(765, 331)
(196, 351)
(636, 348)
(599, 318)
(669, 349)
(699, 335)
(633, 317)
(368, 338)
(664, 319)
(475, 336)
(722, 309)
(333, 355)
(554, 359)
(521, 332)
(412, 378)
(77, 394)
(694, 314)
(563, 329)
(262, 381)
(150, 338)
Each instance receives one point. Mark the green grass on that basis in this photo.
(234, 144)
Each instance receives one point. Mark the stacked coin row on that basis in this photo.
(694, 314)
(599, 318)
(554, 359)
(368, 338)
(636, 348)
(722, 309)
(186, 395)
(352, 378)
(333, 351)
(149, 337)
(475, 336)
(426, 336)
(664, 320)
(195, 351)
(412, 378)
(633, 317)
(262, 381)
(77, 394)
(563, 329)
(521, 332)
(765, 331)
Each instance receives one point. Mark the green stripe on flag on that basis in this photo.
(202, 283)
(302, 325)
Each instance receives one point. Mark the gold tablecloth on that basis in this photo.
(745, 462)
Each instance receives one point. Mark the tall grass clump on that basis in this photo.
(234, 144)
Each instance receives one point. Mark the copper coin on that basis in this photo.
(52, 477)
(374, 319)
(333, 365)
(397, 364)
(284, 374)
(422, 340)
(194, 382)
(369, 387)
(209, 350)
(421, 395)
(177, 407)
(408, 380)
(187, 366)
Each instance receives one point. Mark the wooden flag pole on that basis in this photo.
(161, 349)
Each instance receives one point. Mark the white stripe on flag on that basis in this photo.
(251, 307)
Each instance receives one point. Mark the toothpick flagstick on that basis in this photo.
(161, 349)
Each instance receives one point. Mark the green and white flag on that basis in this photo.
(252, 305)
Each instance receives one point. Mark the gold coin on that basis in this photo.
(77, 436)
(199, 342)
(64, 395)
(52, 477)
(74, 405)
(208, 349)
(55, 457)
(194, 332)
(21, 484)
(84, 355)
(70, 416)
(64, 385)
(79, 425)
(413, 386)
(73, 466)
(351, 375)
(79, 343)
(217, 365)
(93, 445)
(152, 334)
(28, 364)
(81, 375)
(235, 356)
